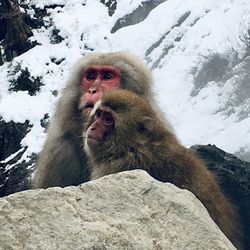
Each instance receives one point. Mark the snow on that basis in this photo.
(211, 26)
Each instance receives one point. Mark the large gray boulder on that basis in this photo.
(128, 210)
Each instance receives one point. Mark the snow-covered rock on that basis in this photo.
(128, 210)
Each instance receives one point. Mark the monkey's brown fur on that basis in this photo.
(62, 161)
(141, 141)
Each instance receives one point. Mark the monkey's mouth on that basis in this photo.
(87, 107)
(91, 141)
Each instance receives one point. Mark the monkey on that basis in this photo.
(123, 132)
(62, 162)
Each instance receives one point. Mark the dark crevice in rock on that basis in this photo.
(179, 23)
(178, 38)
(195, 21)
(111, 4)
(156, 45)
(168, 47)
(163, 54)
(182, 19)
(137, 15)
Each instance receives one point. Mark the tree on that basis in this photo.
(14, 31)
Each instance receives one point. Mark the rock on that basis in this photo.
(128, 210)
(233, 176)
(111, 4)
(138, 15)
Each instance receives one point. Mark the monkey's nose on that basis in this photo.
(92, 91)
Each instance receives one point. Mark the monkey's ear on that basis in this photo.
(145, 124)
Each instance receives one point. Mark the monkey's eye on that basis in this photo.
(108, 119)
(107, 76)
(141, 127)
(91, 75)
(98, 114)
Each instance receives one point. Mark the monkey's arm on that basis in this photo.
(61, 163)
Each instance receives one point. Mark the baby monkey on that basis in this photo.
(123, 132)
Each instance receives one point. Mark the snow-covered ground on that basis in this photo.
(172, 39)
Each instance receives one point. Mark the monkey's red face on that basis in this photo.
(103, 123)
(98, 79)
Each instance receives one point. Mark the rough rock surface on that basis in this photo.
(128, 210)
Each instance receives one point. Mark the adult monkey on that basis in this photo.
(62, 161)
(151, 146)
